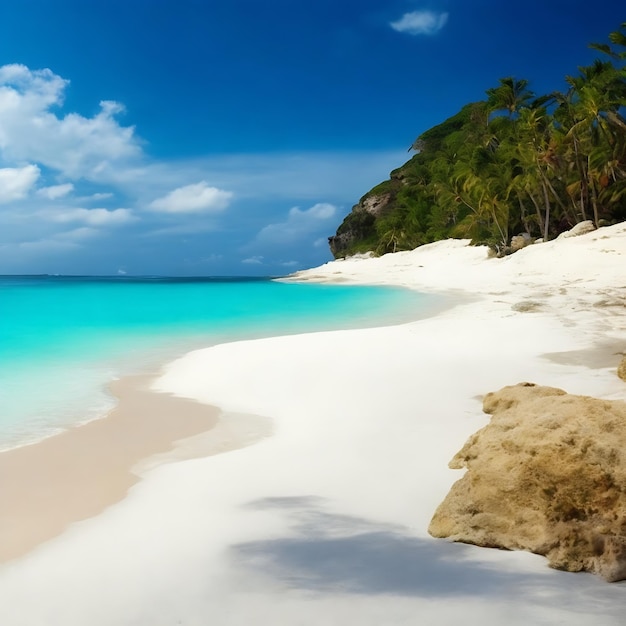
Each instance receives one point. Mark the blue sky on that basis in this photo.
(231, 137)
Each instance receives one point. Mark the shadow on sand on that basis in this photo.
(327, 552)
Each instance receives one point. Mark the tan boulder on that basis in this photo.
(621, 369)
(520, 241)
(548, 475)
(582, 228)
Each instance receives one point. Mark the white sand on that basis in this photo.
(324, 521)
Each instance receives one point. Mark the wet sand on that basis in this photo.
(76, 474)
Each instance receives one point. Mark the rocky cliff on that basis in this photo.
(357, 232)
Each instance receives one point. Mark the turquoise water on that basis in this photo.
(62, 339)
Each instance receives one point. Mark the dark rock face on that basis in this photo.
(548, 475)
(359, 225)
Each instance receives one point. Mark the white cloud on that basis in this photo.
(93, 217)
(94, 197)
(184, 228)
(77, 234)
(55, 191)
(196, 198)
(420, 23)
(16, 182)
(75, 145)
(253, 260)
(298, 224)
(34, 89)
(99, 196)
(320, 211)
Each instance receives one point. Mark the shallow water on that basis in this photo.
(62, 339)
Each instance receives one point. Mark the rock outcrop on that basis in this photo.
(520, 241)
(621, 369)
(548, 475)
(582, 228)
(359, 224)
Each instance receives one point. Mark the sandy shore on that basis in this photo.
(324, 521)
(78, 473)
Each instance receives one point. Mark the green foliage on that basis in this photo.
(509, 164)
(385, 187)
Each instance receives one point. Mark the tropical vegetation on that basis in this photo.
(512, 163)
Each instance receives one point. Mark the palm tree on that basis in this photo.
(616, 37)
(596, 130)
(510, 95)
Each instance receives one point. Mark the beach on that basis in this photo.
(302, 491)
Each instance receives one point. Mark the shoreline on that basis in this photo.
(76, 474)
(104, 457)
(149, 353)
(327, 518)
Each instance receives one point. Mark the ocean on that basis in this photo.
(63, 339)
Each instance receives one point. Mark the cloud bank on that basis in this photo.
(298, 225)
(74, 145)
(55, 191)
(80, 193)
(298, 235)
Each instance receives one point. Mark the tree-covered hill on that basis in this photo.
(513, 163)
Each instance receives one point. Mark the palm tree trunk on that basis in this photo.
(584, 191)
(522, 210)
(594, 195)
(538, 209)
(556, 196)
(546, 198)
